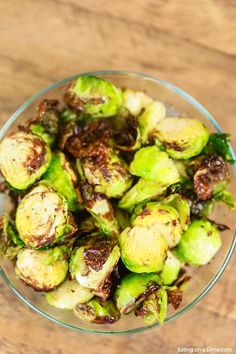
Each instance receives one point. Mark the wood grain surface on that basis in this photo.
(191, 43)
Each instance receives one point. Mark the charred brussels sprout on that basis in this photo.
(68, 295)
(94, 96)
(211, 177)
(61, 176)
(143, 250)
(171, 269)
(199, 244)
(154, 308)
(33, 270)
(182, 137)
(148, 120)
(155, 165)
(97, 311)
(42, 217)
(46, 123)
(99, 206)
(24, 157)
(134, 289)
(93, 262)
(106, 172)
(135, 101)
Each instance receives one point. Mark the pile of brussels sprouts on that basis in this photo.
(111, 199)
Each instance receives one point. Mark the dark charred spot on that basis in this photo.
(37, 157)
(86, 139)
(96, 255)
(175, 297)
(79, 103)
(45, 106)
(220, 227)
(3, 187)
(212, 171)
(174, 146)
(142, 311)
(174, 222)
(183, 278)
(24, 129)
(126, 136)
(151, 288)
(145, 212)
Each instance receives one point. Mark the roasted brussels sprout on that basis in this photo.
(97, 311)
(46, 124)
(135, 101)
(125, 133)
(154, 308)
(140, 192)
(24, 157)
(42, 217)
(148, 120)
(10, 243)
(181, 204)
(93, 262)
(163, 219)
(143, 249)
(171, 269)
(199, 243)
(33, 270)
(99, 206)
(155, 165)
(227, 198)
(211, 177)
(134, 289)
(94, 96)
(61, 176)
(106, 172)
(68, 295)
(182, 137)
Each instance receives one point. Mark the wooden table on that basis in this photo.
(190, 43)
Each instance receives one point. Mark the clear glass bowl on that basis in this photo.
(203, 278)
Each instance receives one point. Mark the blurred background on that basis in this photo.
(191, 43)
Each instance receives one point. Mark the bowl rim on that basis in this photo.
(202, 110)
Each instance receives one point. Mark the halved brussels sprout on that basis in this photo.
(171, 269)
(62, 178)
(94, 96)
(155, 165)
(199, 244)
(163, 219)
(31, 267)
(154, 308)
(140, 192)
(182, 137)
(135, 101)
(211, 177)
(93, 262)
(134, 289)
(68, 295)
(46, 124)
(143, 249)
(106, 171)
(24, 157)
(148, 120)
(99, 206)
(42, 217)
(97, 311)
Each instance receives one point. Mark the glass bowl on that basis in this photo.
(203, 278)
